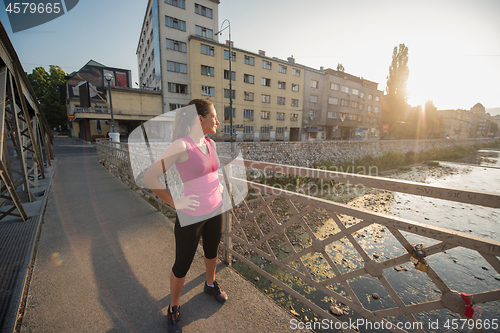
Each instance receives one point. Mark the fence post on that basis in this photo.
(227, 219)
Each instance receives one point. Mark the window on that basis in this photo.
(226, 129)
(202, 10)
(334, 86)
(370, 97)
(266, 98)
(369, 108)
(355, 92)
(332, 115)
(206, 70)
(333, 101)
(226, 75)
(207, 91)
(248, 129)
(174, 107)
(281, 85)
(281, 100)
(361, 106)
(354, 105)
(294, 117)
(344, 102)
(282, 69)
(376, 109)
(226, 55)
(206, 49)
(313, 99)
(345, 89)
(280, 130)
(248, 96)
(175, 23)
(228, 115)
(377, 98)
(203, 32)
(266, 64)
(177, 3)
(247, 78)
(227, 94)
(362, 94)
(296, 72)
(249, 60)
(266, 82)
(314, 84)
(248, 114)
(176, 67)
(176, 45)
(295, 102)
(264, 130)
(295, 87)
(280, 116)
(265, 114)
(177, 88)
(313, 113)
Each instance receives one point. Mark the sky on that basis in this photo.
(454, 45)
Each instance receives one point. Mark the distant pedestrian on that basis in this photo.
(199, 210)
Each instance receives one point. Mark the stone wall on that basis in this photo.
(305, 153)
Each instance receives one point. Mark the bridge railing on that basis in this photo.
(289, 236)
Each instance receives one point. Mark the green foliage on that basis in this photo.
(47, 87)
(494, 127)
(422, 122)
(395, 101)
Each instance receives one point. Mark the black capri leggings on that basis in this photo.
(187, 238)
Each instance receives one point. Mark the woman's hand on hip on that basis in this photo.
(187, 202)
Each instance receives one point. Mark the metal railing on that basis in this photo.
(265, 226)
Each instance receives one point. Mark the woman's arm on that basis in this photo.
(151, 178)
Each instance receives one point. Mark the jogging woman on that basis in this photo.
(199, 209)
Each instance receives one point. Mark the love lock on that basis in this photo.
(421, 265)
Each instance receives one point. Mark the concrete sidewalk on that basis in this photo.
(104, 259)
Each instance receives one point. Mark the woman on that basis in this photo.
(199, 209)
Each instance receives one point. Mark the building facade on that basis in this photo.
(87, 102)
(267, 92)
(456, 124)
(163, 48)
(338, 105)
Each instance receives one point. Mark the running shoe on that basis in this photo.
(174, 323)
(215, 291)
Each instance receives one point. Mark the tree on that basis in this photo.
(493, 127)
(48, 92)
(340, 68)
(422, 122)
(395, 101)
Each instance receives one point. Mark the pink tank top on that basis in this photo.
(199, 174)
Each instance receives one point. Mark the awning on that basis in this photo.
(314, 130)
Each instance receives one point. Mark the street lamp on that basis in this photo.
(230, 82)
(112, 134)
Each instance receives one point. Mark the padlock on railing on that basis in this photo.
(421, 265)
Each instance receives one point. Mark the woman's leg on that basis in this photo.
(210, 265)
(212, 231)
(176, 285)
(186, 242)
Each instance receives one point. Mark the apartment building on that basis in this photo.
(338, 105)
(267, 92)
(457, 124)
(163, 47)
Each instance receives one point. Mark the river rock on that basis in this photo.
(336, 311)
(375, 296)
